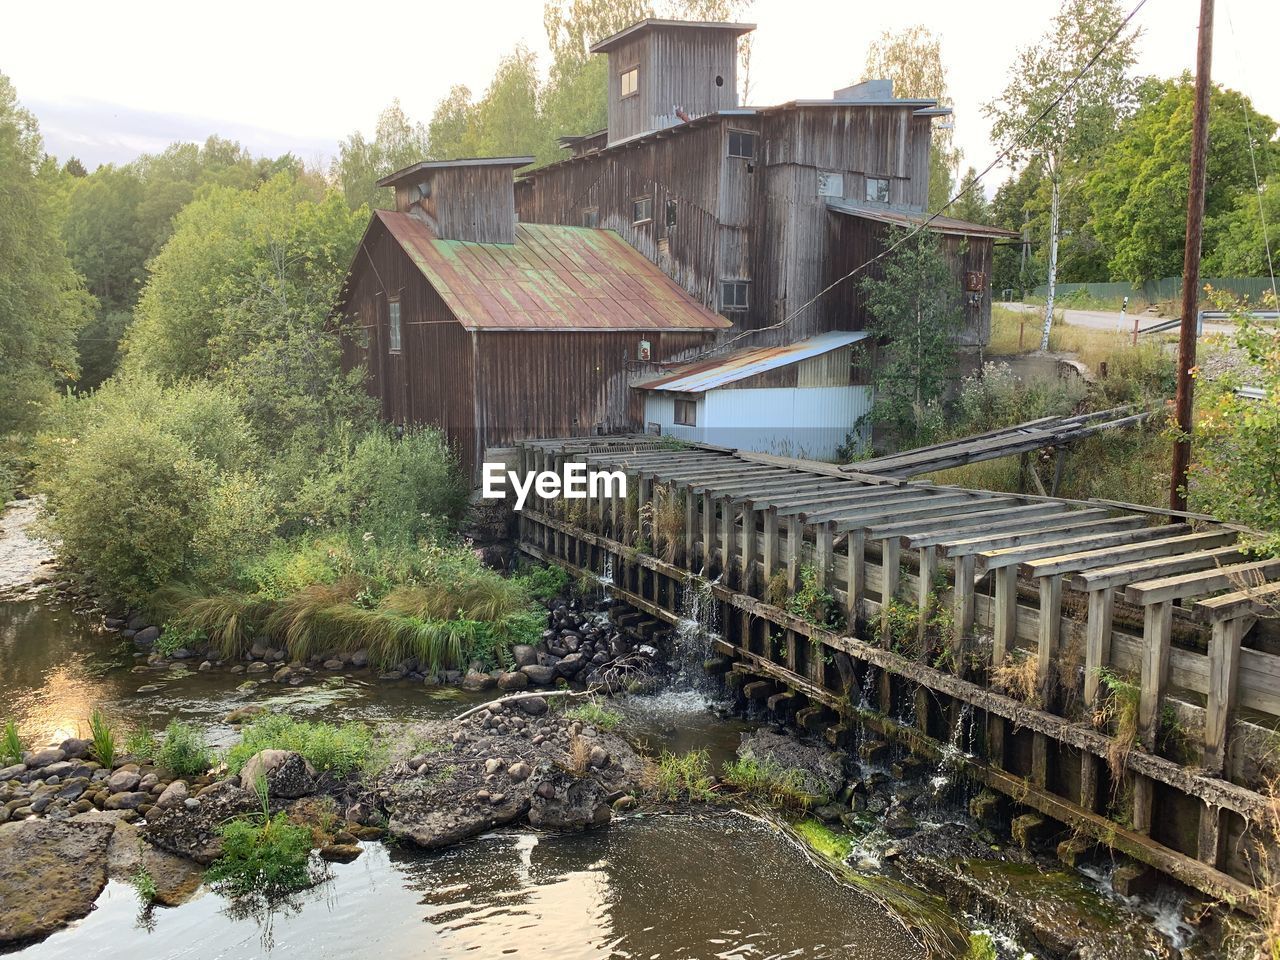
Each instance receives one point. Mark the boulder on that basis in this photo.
(174, 795)
(42, 758)
(123, 780)
(533, 706)
(513, 681)
(539, 673)
(563, 802)
(146, 636)
(51, 872)
(75, 748)
(524, 655)
(288, 774)
(127, 801)
(475, 681)
(176, 878)
(340, 852)
(196, 833)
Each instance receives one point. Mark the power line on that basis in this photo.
(1000, 158)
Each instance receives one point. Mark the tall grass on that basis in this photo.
(293, 621)
(769, 783)
(103, 738)
(680, 776)
(10, 744)
(341, 748)
(231, 621)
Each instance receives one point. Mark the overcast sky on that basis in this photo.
(110, 81)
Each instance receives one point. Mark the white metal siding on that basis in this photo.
(806, 422)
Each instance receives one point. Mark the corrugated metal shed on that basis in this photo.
(899, 218)
(710, 374)
(552, 278)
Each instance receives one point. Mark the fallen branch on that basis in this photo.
(523, 696)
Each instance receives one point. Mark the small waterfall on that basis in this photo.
(698, 626)
(605, 577)
(866, 701)
(956, 752)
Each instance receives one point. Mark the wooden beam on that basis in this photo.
(1007, 556)
(890, 577)
(964, 604)
(770, 549)
(728, 539)
(1261, 600)
(1165, 546)
(795, 555)
(1126, 573)
(1032, 534)
(856, 573)
(921, 533)
(708, 514)
(824, 559)
(1201, 582)
(924, 594)
(1224, 677)
(933, 505)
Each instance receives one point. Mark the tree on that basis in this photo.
(912, 59)
(73, 167)
(1243, 248)
(42, 302)
(915, 315)
(1138, 187)
(1046, 113)
(971, 204)
(241, 295)
(397, 142)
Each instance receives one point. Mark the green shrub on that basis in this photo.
(812, 602)
(144, 885)
(183, 752)
(103, 738)
(272, 857)
(141, 744)
(285, 568)
(240, 520)
(342, 748)
(546, 582)
(10, 744)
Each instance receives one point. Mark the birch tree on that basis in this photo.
(1042, 115)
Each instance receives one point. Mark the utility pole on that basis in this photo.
(1191, 261)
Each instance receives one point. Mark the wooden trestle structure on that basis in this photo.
(938, 587)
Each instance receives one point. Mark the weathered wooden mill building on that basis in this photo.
(503, 311)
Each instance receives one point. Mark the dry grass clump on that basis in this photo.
(293, 622)
(664, 517)
(1018, 676)
(579, 759)
(1118, 711)
(229, 620)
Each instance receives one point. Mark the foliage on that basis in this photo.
(546, 582)
(268, 858)
(812, 602)
(596, 714)
(915, 314)
(183, 752)
(1235, 474)
(1138, 187)
(1240, 245)
(342, 748)
(397, 143)
(1118, 710)
(10, 744)
(144, 885)
(141, 744)
(767, 782)
(42, 302)
(103, 739)
(996, 397)
(683, 776)
(981, 947)
(831, 846)
(912, 59)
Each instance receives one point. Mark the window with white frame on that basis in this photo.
(687, 413)
(629, 82)
(877, 190)
(734, 297)
(742, 144)
(393, 326)
(642, 209)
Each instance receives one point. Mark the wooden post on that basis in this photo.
(1224, 677)
(688, 556)
(1005, 627)
(1097, 644)
(924, 591)
(1050, 630)
(708, 553)
(857, 576)
(823, 558)
(890, 577)
(1156, 634)
(770, 548)
(1088, 781)
(750, 540)
(1209, 838)
(644, 507)
(795, 543)
(1143, 803)
(964, 606)
(728, 541)
(1039, 759)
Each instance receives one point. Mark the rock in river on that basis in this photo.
(51, 872)
(288, 775)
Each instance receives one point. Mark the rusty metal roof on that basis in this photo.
(900, 218)
(709, 374)
(551, 278)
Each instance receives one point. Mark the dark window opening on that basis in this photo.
(687, 413)
(742, 144)
(719, 80)
(671, 214)
(591, 217)
(642, 210)
(733, 296)
(393, 326)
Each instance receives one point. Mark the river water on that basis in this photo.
(649, 886)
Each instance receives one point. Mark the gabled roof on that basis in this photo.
(404, 173)
(651, 23)
(902, 218)
(707, 375)
(552, 278)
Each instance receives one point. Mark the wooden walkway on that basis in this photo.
(944, 592)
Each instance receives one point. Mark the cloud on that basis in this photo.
(99, 132)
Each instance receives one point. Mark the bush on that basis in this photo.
(341, 748)
(184, 752)
(269, 858)
(684, 776)
(103, 738)
(996, 397)
(141, 744)
(546, 582)
(10, 744)
(768, 782)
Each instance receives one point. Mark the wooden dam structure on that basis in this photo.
(1116, 659)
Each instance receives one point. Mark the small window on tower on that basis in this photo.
(393, 326)
(642, 209)
(742, 144)
(687, 413)
(629, 82)
(877, 190)
(733, 296)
